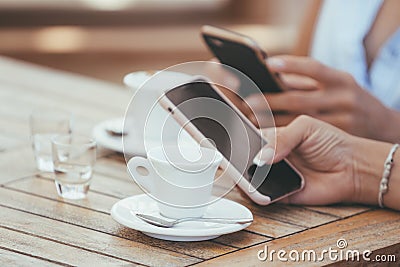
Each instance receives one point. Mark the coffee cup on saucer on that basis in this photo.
(179, 178)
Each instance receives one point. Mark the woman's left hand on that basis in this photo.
(326, 94)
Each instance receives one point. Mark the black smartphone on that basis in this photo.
(242, 53)
(201, 109)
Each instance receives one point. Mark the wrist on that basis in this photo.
(368, 160)
(390, 133)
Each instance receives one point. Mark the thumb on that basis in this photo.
(287, 139)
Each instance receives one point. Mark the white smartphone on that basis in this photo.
(189, 105)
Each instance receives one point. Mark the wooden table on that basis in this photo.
(38, 227)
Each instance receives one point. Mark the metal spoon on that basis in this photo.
(170, 223)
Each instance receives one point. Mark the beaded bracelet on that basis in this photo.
(383, 187)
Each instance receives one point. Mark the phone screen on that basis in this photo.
(244, 59)
(233, 137)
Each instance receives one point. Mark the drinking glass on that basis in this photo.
(74, 157)
(45, 124)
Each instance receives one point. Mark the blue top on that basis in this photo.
(338, 42)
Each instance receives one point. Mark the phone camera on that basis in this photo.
(217, 42)
(170, 110)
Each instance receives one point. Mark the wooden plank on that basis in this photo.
(61, 84)
(242, 239)
(278, 220)
(89, 240)
(12, 127)
(103, 203)
(11, 258)
(16, 163)
(273, 228)
(8, 142)
(295, 215)
(19, 162)
(273, 221)
(340, 210)
(102, 222)
(118, 157)
(118, 188)
(115, 187)
(54, 251)
(46, 188)
(373, 230)
(18, 112)
(112, 168)
(60, 90)
(31, 98)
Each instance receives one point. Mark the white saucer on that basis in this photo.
(124, 212)
(114, 142)
(136, 146)
(136, 79)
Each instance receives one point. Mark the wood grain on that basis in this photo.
(361, 232)
(17, 163)
(46, 188)
(340, 210)
(111, 168)
(99, 221)
(40, 228)
(11, 258)
(295, 215)
(54, 251)
(89, 240)
(242, 239)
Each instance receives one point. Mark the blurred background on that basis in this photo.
(106, 39)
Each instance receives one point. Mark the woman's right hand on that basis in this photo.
(337, 166)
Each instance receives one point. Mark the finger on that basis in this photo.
(219, 75)
(287, 139)
(269, 134)
(299, 82)
(342, 120)
(298, 102)
(253, 119)
(315, 192)
(257, 103)
(282, 119)
(306, 102)
(303, 66)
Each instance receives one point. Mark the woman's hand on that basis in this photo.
(337, 166)
(329, 95)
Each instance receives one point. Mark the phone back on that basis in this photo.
(243, 54)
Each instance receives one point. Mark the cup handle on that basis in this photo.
(142, 179)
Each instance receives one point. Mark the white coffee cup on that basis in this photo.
(145, 118)
(180, 179)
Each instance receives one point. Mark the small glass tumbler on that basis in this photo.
(45, 124)
(74, 157)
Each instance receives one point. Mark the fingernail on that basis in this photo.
(264, 156)
(229, 83)
(250, 101)
(275, 62)
(257, 161)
